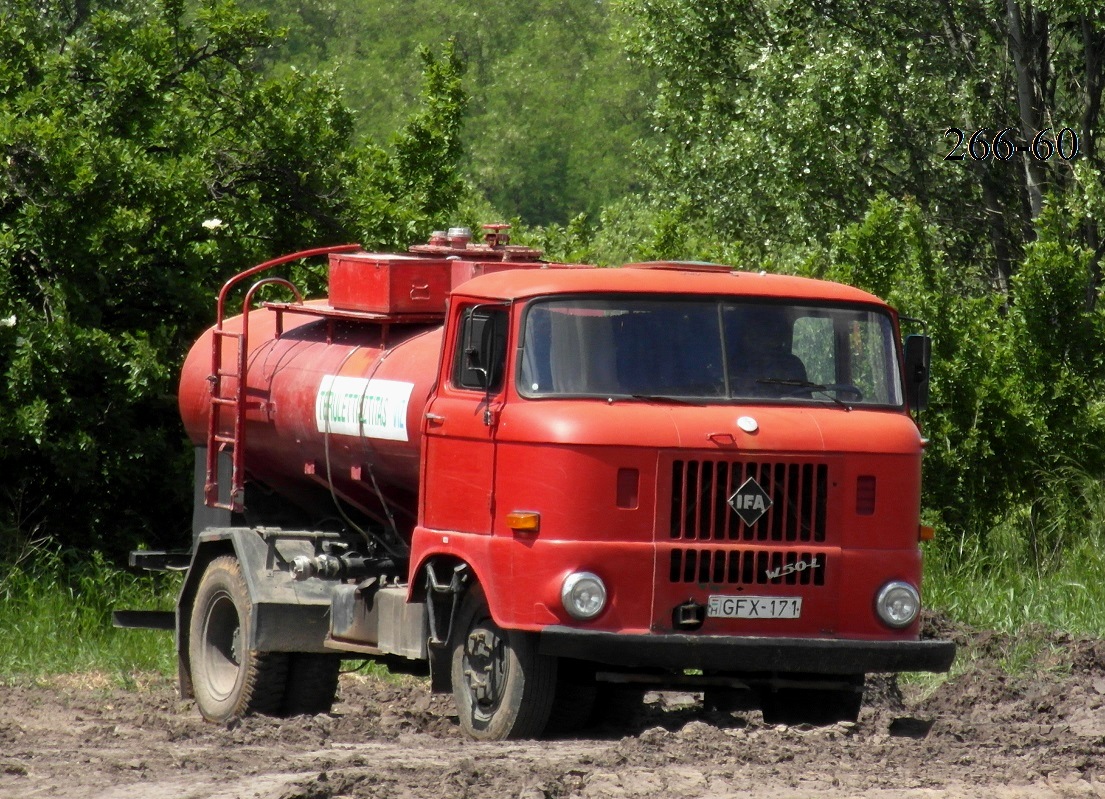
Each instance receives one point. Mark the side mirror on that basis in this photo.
(918, 356)
(481, 358)
(475, 372)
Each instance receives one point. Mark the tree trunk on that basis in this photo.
(1000, 234)
(1093, 58)
(1025, 46)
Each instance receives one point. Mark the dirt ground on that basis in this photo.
(979, 733)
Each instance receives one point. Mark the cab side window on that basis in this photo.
(481, 355)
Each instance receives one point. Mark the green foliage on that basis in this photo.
(1011, 580)
(773, 111)
(108, 177)
(144, 157)
(398, 196)
(634, 229)
(556, 104)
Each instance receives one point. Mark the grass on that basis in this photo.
(1042, 570)
(998, 591)
(56, 618)
(1024, 605)
(1044, 565)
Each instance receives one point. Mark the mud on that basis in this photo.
(980, 732)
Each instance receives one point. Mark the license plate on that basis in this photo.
(754, 607)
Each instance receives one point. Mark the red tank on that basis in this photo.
(335, 389)
(324, 399)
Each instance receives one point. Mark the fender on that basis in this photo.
(472, 555)
(475, 551)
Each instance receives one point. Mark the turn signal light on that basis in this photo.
(524, 521)
(927, 533)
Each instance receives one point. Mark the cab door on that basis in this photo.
(461, 418)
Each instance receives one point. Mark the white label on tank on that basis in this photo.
(353, 406)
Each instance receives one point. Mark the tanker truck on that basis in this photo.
(546, 483)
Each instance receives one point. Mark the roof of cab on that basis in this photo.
(657, 278)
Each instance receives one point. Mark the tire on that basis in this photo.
(502, 687)
(228, 680)
(818, 706)
(574, 704)
(312, 683)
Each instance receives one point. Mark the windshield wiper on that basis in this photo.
(831, 390)
(669, 398)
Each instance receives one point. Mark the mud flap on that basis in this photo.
(442, 603)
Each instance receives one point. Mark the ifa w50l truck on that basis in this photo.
(539, 479)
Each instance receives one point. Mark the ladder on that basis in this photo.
(226, 429)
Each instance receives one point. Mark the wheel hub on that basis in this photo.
(485, 666)
(222, 648)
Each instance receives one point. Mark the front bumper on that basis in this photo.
(746, 655)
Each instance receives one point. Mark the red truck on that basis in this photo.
(539, 479)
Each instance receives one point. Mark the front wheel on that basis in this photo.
(229, 679)
(502, 686)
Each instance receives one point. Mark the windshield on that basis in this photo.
(705, 349)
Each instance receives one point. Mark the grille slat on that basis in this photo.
(700, 490)
(747, 567)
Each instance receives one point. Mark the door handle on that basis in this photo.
(434, 418)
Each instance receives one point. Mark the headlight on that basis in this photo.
(583, 595)
(898, 604)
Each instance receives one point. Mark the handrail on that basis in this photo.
(248, 301)
(218, 400)
(220, 305)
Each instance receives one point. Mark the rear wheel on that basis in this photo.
(229, 679)
(502, 686)
(312, 683)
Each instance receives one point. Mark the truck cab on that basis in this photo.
(678, 474)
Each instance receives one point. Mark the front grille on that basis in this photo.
(700, 490)
(747, 567)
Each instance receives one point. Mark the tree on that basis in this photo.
(143, 158)
(556, 105)
(805, 113)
